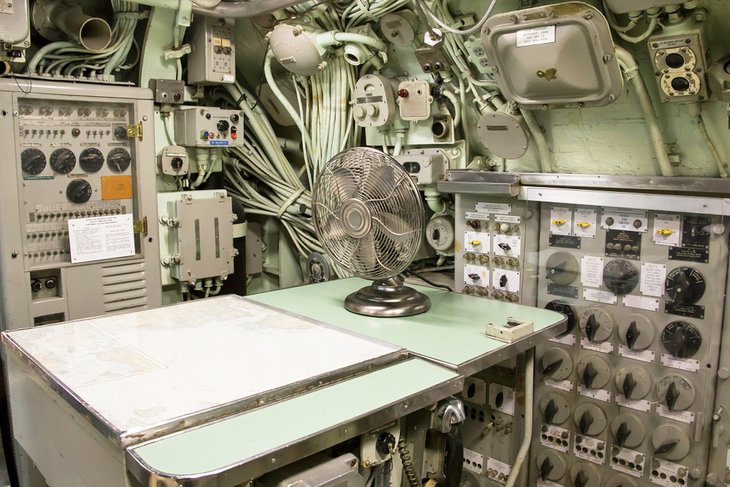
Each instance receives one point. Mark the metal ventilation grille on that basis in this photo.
(124, 287)
(368, 213)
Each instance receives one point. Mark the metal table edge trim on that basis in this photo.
(249, 469)
(129, 438)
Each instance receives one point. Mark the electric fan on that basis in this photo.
(369, 217)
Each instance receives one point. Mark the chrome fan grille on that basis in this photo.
(368, 213)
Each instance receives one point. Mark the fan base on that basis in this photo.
(387, 299)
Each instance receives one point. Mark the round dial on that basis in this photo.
(593, 372)
(620, 481)
(620, 276)
(670, 442)
(440, 233)
(79, 191)
(63, 161)
(556, 364)
(681, 339)
(685, 285)
(566, 309)
(561, 268)
(550, 465)
(636, 332)
(32, 161)
(584, 474)
(675, 392)
(633, 383)
(119, 159)
(91, 159)
(596, 325)
(589, 419)
(555, 408)
(628, 430)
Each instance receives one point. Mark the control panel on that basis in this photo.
(493, 235)
(212, 59)
(208, 127)
(75, 159)
(626, 395)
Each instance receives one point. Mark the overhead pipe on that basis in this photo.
(55, 20)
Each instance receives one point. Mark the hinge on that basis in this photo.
(140, 226)
(134, 130)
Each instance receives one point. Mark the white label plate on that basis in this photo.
(602, 347)
(477, 216)
(476, 270)
(641, 355)
(536, 36)
(562, 385)
(597, 394)
(641, 405)
(498, 208)
(688, 364)
(498, 471)
(507, 218)
(598, 296)
(681, 416)
(667, 470)
(476, 242)
(557, 432)
(508, 398)
(593, 445)
(632, 221)
(667, 230)
(513, 243)
(641, 302)
(564, 340)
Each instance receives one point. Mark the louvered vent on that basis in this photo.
(124, 286)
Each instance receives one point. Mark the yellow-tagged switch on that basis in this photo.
(664, 231)
(558, 222)
(475, 243)
(583, 225)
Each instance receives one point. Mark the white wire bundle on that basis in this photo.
(273, 187)
(445, 24)
(65, 58)
(358, 12)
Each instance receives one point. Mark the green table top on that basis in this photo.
(244, 446)
(452, 333)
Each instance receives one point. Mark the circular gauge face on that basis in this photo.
(561, 268)
(79, 191)
(620, 276)
(63, 161)
(681, 339)
(685, 285)
(567, 310)
(119, 159)
(91, 159)
(32, 161)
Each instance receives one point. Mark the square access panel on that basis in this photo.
(556, 55)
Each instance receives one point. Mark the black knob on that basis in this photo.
(589, 374)
(474, 276)
(632, 334)
(545, 468)
(504, 247)
(235, 118)
(666, 447)
(552, 367)
(503, 281)
(586, 420)
(629, 385)
(622, 434)
(385, 443)
(222, 125)
(436, 234)
(592, 327)
(120, 132)
(35, 285)
(50, 283)
(581, 480)
(176, 163)
(671, 396)
(550, 411)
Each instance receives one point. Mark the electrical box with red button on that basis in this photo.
(208, 127)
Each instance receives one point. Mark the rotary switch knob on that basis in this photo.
(681, 339)
(685, 285)
(555, 408)
(670, 442)
(593, 372)
(628, 430)
(620, 276)
(675, 392)
(633, 383)
(565, 309)
(589, 419)
(562, 268)
(551, 465)
(636, 332)
(585, 475)
(556, 364)
(596, 325)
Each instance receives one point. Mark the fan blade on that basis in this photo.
(331, 228)
(365, 258)
(343, 183)
(394, 227)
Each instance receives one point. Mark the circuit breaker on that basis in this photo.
(626, 395)
(79, 237)
(212, 59)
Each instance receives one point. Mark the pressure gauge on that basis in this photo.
(63, 161)
(79, 191)
(32, 161)
(681, 339)
(91, 159)
(119, 159)
(685, 285)
(620, 276)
